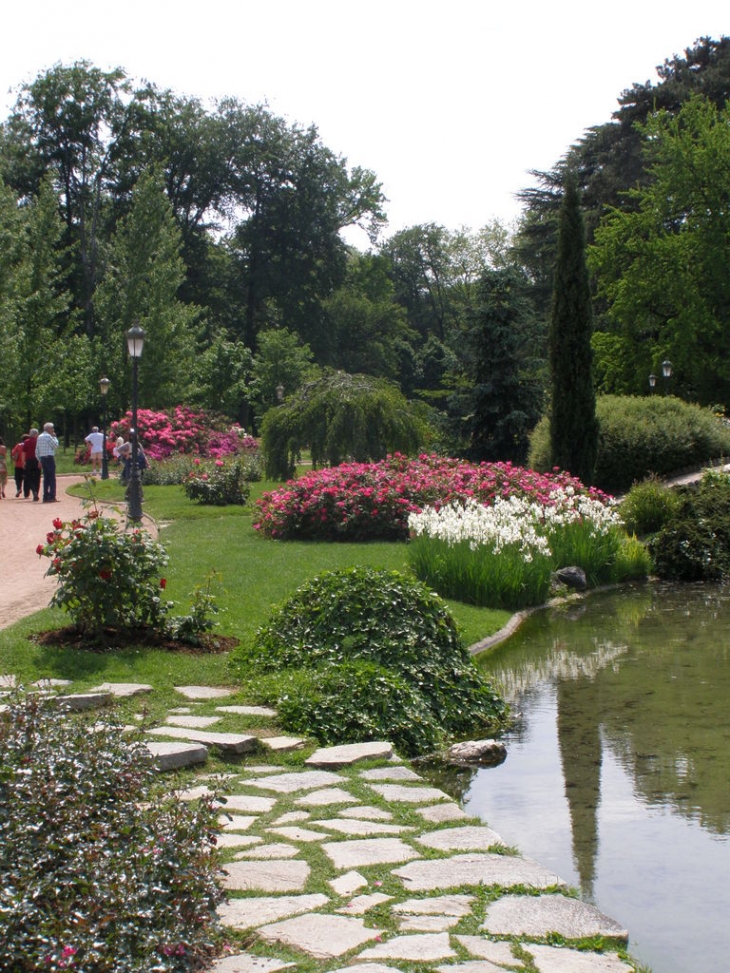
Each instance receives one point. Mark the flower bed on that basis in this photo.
(184, 431)
(366, 501)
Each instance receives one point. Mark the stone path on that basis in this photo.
(354, 861)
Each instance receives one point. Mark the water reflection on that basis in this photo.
(620, 763)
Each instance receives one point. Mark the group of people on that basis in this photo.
(34, 455)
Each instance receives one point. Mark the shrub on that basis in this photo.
(694, 544)
(219, 483)
(172, 471)
(99, 873)
(394, 623)
(648, 506)
(639, 436)
(187, 431)
(107, 577)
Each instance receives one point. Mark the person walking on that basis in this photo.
(32, 478)
(95, 439)
(3, 468)
(18, 455)
(45, 451)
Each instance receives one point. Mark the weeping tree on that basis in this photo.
(340, 417)
(573, 423)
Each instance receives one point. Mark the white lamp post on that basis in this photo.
(104, 384)
(135, 343)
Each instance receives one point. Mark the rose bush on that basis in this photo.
(187, 431)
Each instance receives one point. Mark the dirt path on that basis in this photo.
(24, 589)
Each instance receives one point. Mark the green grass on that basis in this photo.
(257, 574)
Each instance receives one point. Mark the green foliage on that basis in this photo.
(648, 506)
(107, 577)
(99, 873)
(282, 362)
(391, 622)
(220, 482)
(172, 471)
(202, 616)
(640, 436)
(694, 544)
(340, 417)
(573, 424)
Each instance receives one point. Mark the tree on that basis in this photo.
(507, 393)
(573, 424)
(280, 367)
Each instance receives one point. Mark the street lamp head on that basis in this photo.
(135, 341)
(279, 393)
(104, 384)
(652, 381)
(667, 368)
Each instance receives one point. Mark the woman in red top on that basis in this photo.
(32, 482)
(18, 454)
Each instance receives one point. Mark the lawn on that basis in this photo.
(256, 574)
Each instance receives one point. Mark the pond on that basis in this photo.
(618, 768)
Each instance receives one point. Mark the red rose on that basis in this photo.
(39, 549)
(58, 523)
(163, 582)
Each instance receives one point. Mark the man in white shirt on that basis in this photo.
(95, 439)
(45, 451)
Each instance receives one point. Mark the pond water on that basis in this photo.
(618, 769)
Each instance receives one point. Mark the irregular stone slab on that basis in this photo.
(349, 753)
(409, 795)
(248, 913)
(8, 681)
(194, 793)
(486, 753)
(487, 949)
(390, 773)
(331, 795)
(323, 937)
(248, 802)
(424, 949)
(193, 722)
(427, 923)
(282, 744)
(357, 827)
(236, 822)
(439, 813)
(273, 850)
(247, 710)
(368, 851)
(230, 839)
(527, 915)
(228, 742)
(79, 702)
(203, 692)
(123, 689)
(362, 903)
(271, 875)
(348, 883)
(367, 968)
(171, 756)
(551, 959)
(182, 710)
(474, 966)
(291, 817)
(486, 869)
(366, 812)
(306, 780)
(468, 838)
(262, 769)
(449, 905)
(46, 683)
(246, 963)
(293, 833)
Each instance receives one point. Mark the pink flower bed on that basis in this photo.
(184, 430)
(367, 501)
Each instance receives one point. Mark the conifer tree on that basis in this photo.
(573, 423)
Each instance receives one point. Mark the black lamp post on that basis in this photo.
(104, 384)
(135, 343)
(652, 383)
(667, 373)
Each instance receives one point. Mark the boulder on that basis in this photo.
(573, 577)
(487, 753)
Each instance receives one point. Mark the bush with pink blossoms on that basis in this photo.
(185, 431)
(368, 501)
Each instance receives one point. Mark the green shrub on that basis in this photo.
(694, 545)
(169, 472)
(640, 436)
(389, 621)
(648, 506)
(99, 874)
(220, 482)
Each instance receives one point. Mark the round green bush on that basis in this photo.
(648, 506)
(640, 436)
(392, 623)
(219, 483)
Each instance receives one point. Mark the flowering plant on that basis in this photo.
(187, 431)
(219, 483)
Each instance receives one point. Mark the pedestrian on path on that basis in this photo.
(45, 451)
(95, 439)
(3, 468)
(32, 481)
(18, 455)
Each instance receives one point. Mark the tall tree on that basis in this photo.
(573, 423)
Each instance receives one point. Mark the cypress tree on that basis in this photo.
(573, 423)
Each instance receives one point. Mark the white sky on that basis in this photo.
(449, 103)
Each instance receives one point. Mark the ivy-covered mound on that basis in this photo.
(368, 501)
(361, 654)
(98, 872)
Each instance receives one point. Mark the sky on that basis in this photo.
(451, 104)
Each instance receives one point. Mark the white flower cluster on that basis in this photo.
(512, 521)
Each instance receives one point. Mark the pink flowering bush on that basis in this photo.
(366, 501)
(185, 431)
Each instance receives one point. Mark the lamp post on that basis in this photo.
(135, 343)
(652, 383)
(667, 373)
(104, 384)
(279, 393)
